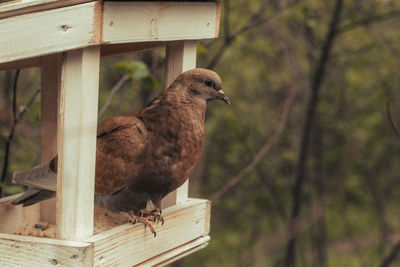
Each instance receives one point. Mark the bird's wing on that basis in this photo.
(121, 141)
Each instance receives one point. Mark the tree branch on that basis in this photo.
(391, 258)
(367, 21)
(310, 115)
(317, 211)
(262, 152)
(16, 119)
(256, 20)
(124, 79)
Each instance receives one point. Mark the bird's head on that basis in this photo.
(204, 84)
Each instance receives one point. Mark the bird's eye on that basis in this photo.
(208, 82)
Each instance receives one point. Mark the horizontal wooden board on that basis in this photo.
(15, 8)
(33, 251)
(177, 253)
(13, 218)
(126, 22)
(19, 64)
(128, 245)
(108, 50)
(185, 231)
(49, 31)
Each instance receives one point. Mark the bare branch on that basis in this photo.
(28, 105)
(317, 211)
(16, 119)
(262, 152)
(369, 20)
(391, 258)
(391, 119)
(124, 79)
(255, 21)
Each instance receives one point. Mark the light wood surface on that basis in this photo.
(19, 7)
(128, 245)
(27, 251)
(77, 143)
(13, 218)
(126, 22)
(185, 230)
(50, 102)
(50, 26)
(180, 57)
(49, 31)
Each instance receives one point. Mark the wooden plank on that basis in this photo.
(128, 245)
(177, 253)
(33, 251)
(122, 49)
(15, 8)
(19, 64)
(50, 31)
(13, 218)
(77, 143)
(126, 22)
(180, 57)
(50, 102)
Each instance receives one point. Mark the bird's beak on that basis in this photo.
(224, 97)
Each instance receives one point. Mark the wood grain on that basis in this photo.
(49, 31)
(13, 218)
(15, 8)
(50, 102)
(159, 21)
(180, 57)
(30, 251)
(77, 143)
(128, 245)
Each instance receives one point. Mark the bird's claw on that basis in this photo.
(147, 218)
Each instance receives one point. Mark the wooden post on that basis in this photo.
(50, 92)
(180, 57)
(76, 143)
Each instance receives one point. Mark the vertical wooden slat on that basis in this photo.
(77, 143)
(51, 85)
(180, 57)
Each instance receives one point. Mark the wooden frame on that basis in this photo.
(100, 23)
(185, 231)
(68, 52)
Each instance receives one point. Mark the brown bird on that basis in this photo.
(143, 155)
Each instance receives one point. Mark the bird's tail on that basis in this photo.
(32, 196)
(39, 177)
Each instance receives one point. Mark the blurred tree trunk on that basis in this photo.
(301, 172)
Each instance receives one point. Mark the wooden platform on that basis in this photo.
(185, 230)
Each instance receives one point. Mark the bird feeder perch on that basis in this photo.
(67, 40)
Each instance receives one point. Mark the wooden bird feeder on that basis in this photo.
(67, 39)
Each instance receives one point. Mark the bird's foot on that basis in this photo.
(147, 218)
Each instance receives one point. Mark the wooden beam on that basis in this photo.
(178, 253)
(20, 64)
(126, 22)
(50, 102)
(16, 8)
(180, 57)
(27, 251)
(128, 245)
(14, 218)
(77, 143)
(108, 50)
(50, 31)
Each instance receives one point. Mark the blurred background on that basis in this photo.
(303, 167)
